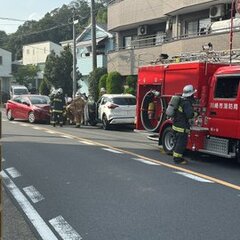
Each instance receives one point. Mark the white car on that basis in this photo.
(16, 90)
(116, 109)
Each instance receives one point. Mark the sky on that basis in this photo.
(25, 10)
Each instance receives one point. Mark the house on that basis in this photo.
(36, 54)
(146, 29)
(5, 72)
(104, 43)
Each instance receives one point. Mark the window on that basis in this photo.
(1, 60)
(227, 87)
(127, 42)
(197, 26)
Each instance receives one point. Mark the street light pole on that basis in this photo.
(93, 20)
(74, 57)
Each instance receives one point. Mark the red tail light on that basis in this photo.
(112, 106)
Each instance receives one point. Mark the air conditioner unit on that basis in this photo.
(217, 11)
(142, 30)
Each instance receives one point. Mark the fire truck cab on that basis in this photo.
(216, 130)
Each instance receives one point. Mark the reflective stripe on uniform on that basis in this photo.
(57, 100)
(180, 109)
(57, 111)
(177, 155)
(181, 130)
(178, 129)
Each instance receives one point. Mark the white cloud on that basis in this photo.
(34, 16)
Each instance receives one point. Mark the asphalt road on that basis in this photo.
(93, 184)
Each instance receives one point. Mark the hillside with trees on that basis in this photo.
(55, 26)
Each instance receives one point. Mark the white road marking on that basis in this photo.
(64, 229)
(33, 194)
(196, 178)
(37, 128)
(66, 136)
(4, 120)
(24, 124)
(145, 161)
(3, 159)
(111, 150)
(14, 122)
(41, 227)
(49, 131)
(86, 142)
(13, 172)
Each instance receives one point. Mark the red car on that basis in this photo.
(29, 107)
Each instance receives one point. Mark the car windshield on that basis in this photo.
(20, 91)
(39, 100)
(124, 101)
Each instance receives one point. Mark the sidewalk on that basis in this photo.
(14, 226)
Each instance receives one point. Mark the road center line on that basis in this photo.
(41, 227)
(188, 175)
(64, 229)
(13, 172)
(33, 194)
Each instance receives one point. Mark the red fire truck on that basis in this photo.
(216, 130)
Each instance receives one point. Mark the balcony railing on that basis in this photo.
(156, 40)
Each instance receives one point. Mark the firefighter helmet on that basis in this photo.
(60, 91)
(188, 91)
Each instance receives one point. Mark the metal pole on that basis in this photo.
(74, 56)
(231, 32)
(93, 20)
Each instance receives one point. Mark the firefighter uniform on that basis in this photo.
(58, 105)
(181, 125)
(76, 108)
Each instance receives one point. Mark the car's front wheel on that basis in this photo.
(9, 115)
(105, 123)
(31, 117)
(168, 140)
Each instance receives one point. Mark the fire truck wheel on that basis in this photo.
(168, 140)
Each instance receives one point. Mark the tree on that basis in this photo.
(58, 70)
(44, 87)
(94, 78)
(26, 74)
(114, 83)
(102, 82)
(131, 82)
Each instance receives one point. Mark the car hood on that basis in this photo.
(42, 106)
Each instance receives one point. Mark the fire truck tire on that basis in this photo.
(168, 140)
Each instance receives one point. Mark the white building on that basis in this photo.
(5, 69)
(36, 54)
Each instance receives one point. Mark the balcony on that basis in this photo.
(146, 50)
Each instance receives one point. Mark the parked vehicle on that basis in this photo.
(16, 90)
(29, 107)
(216, 130)
(114, 109)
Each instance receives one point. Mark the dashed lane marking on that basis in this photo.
(39, 224)
(13, 172)
(112, 150)
(64, 229)
(66, 136)
(199, 179)
(33, 194)
(145, 161)
(86, 142)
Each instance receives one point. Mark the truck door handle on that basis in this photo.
(213, 113)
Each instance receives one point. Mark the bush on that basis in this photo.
(131, 82)
(102, 82)
(114, 83)
(94, 78)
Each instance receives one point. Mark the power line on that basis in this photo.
(13, 19)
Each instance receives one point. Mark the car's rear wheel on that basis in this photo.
(31, 117)
(106, 125)
(9, 115)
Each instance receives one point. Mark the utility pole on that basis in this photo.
(74, 57)
(93, 21)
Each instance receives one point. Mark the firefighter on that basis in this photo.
(76, 108)
(58, 105)
(181, 123)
